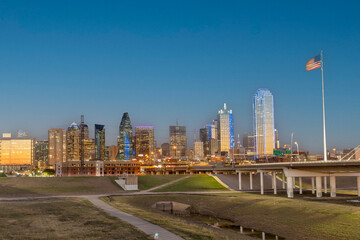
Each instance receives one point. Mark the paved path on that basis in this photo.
(141, 224)
(165, 184)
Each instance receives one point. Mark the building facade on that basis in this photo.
(57, 146)
(41, 157)
(125, 141)
(145, 142)
(100, 142)
(225, 129)
(198, 150)
(16, 151)
(263, 110)
(177, 141)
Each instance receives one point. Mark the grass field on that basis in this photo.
(289, 218)
(186, 228)
(201, 182)
(61, 219)
(150, 181)
(35, 186)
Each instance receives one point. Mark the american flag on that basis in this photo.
(313, 63)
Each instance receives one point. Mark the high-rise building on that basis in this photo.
(113, 151)
(177, 141)
(198, 150)
(16, 151)
(263, 107)
(277, 141)
(144, 142)
(225, 129)
(57, 146)
(99, 142)
(73, 141)
(41, 157)
(165, 149)
(125, 141)
(208, 135)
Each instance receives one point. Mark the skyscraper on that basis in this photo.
(263, 107)
(125, 139)
(177, 141)
(225, 129)
(198, 150)
(73, 138)
(57, 146)
(144, 142)
(99, 142)
(41, 154)
(208, 135)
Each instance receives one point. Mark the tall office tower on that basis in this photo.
(99, 142)
(277, 141)
(73, 138)
(208, 135)
(41, 155)
(177, 141)
(113, 151)
(263, 107)
(225, 129)
(165, 149)
(57, 146)
(125, 141)
(198, 150)
(144, 142)
(16, 151)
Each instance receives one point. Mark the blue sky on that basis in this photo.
(166, 60)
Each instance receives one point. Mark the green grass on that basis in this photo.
(289, 218)
(201, 182)
(61, 219)
(183, 227)
(150, 181)
(35, 186)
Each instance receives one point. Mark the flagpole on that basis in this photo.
(323, 102)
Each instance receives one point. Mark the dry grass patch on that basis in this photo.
(61, 219)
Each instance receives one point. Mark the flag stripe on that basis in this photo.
(313, 63)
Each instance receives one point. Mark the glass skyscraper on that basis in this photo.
(125, 139)
(99, 142)
(263, 108)
(177, 141)
(225, 129)
(144, 142)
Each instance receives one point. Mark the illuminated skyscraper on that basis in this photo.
(225, 129)
(57, 146)
(144, 142)
(125, 139)
(208, 135)
(263, 107)
(198, 150)
(41, 154)
(16, 151)
(177, 141)
(99, 142)
(73, 138)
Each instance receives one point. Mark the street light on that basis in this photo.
(297, 147)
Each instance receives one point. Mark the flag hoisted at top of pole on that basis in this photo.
(313, 63)
(317, 62)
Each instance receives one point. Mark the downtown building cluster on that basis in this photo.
(73, 148)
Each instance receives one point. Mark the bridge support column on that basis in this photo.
(318, 186)
(325, 184)
(274, 182)
(283, 181)
(312, 185)
(240, 181)
(358, 185)
(300, 185)
(294, 179)
(261, 183)
(332, 186)
(290, 190)
(251, 182)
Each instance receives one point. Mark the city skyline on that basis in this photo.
(162, 54)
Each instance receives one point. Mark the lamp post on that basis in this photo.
(297, 147)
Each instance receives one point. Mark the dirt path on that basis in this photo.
(165, 184)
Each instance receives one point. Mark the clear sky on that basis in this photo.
(167, 60)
